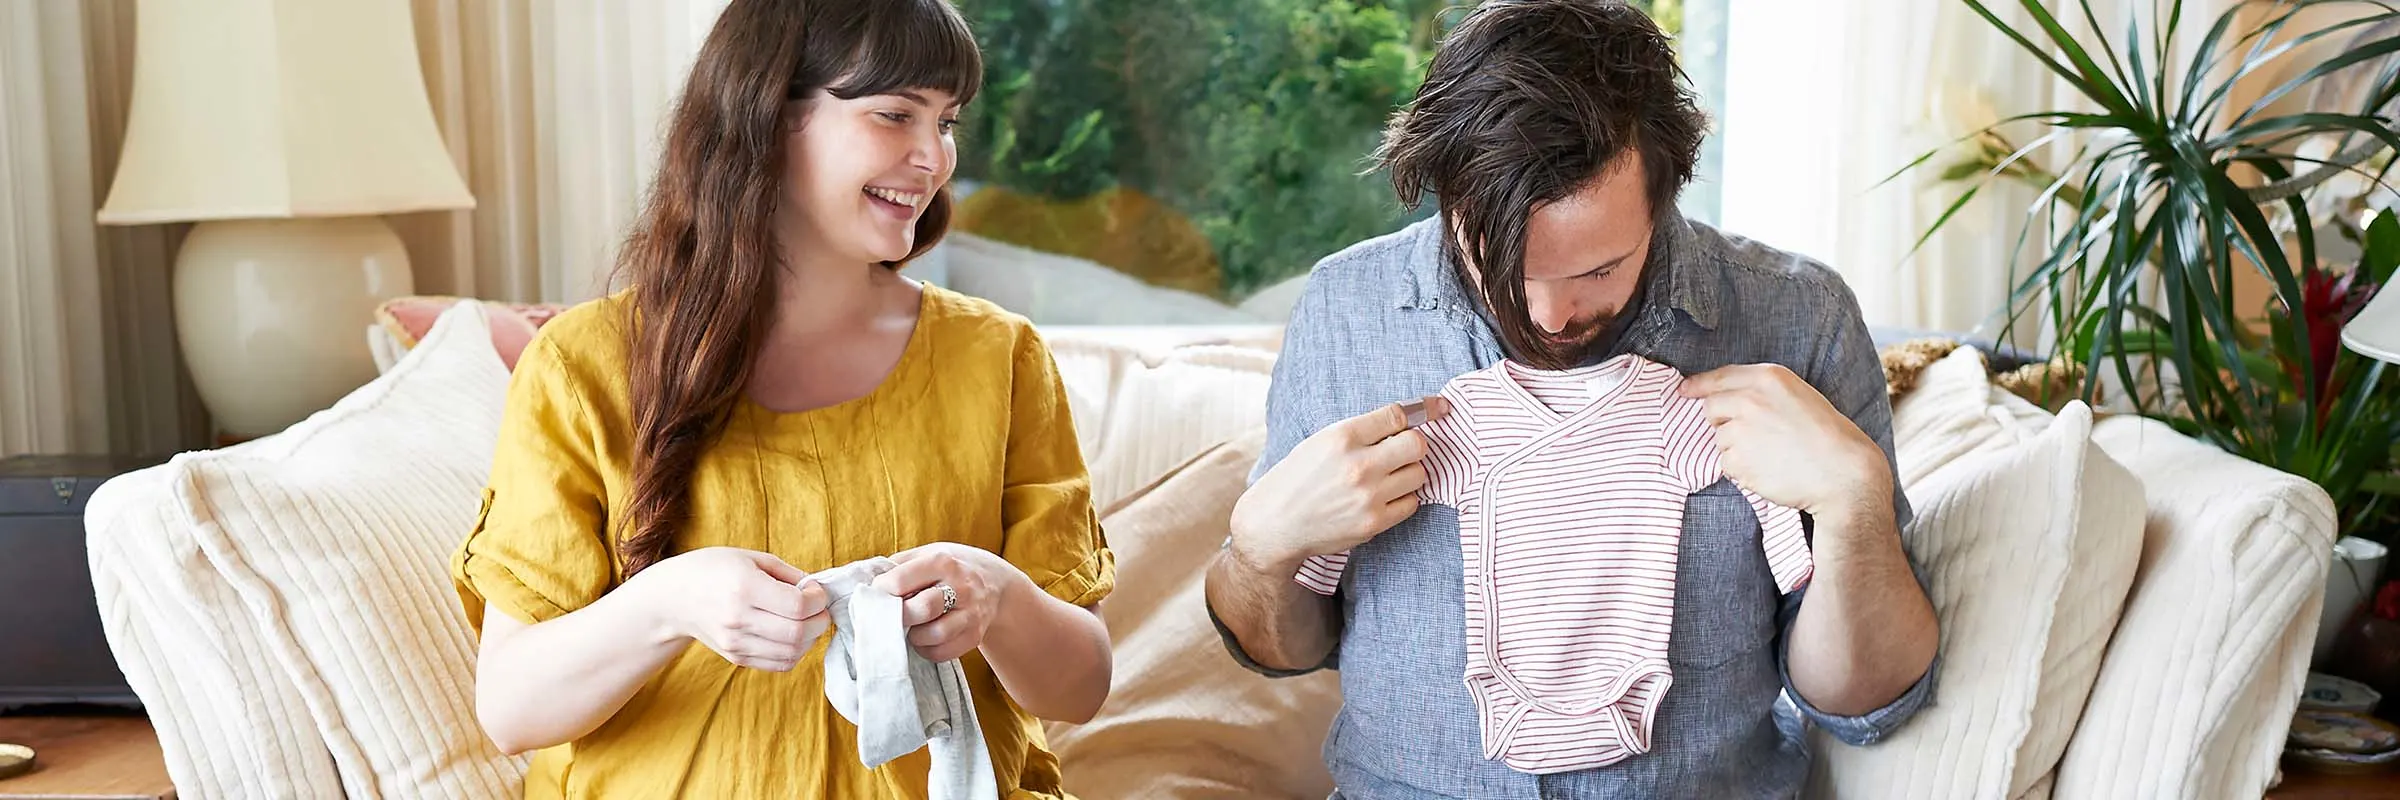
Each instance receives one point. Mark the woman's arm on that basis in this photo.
(1051, 655)
(1030, 606)
(552, 682)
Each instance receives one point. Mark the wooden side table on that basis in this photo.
(100, 757)
(2300, 784)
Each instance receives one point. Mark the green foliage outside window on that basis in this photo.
(1228, 137)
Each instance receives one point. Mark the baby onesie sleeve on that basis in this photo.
(1691, 446)
(1691, 455)
(1449, 451)
(1448, 461)
(1786, 542)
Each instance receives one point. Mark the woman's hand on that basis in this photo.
(952, 593)
(748, 606)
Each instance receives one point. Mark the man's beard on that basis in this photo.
(1582, 340)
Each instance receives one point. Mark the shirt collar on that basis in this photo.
(1687, 273)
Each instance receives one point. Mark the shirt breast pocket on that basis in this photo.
(1725, 599)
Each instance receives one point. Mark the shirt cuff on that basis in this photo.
(1233, 647)
(1863, 729)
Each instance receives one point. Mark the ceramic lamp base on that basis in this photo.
(271, 314)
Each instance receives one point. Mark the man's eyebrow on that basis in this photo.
(1607, 265)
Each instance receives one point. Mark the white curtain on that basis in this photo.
(551, 108)
(1827, 98)
(87, 343)
(47, 263)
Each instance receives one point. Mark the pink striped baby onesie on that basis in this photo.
(1570, 489)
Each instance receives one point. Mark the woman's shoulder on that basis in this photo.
(977, 325)
(584, 347)
(590, 334)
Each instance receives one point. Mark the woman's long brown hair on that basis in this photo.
(700, 262)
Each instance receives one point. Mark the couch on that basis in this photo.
(2126, 612)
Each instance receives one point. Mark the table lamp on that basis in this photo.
(2374, 331)
(283, 127)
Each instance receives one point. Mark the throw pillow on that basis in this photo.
(334, 534)
(2029, 546)
(1182, 719)
(406, 320)
(1951, 410)
(1903, 361)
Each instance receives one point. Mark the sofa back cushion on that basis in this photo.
(1182, 719)
(2197, 690)
(1147, 401)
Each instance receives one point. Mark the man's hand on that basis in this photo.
(1866, 631)
(1780, 439)
(1335, 489)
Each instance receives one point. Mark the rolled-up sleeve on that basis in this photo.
(1049, 529)
(1295, 411)
(539, 547)
(1863, 729)
(1850, 374)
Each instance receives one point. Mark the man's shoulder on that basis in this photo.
(1384, 266)
(1757, 271)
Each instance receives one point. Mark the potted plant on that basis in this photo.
(2168, 189)
(1206, 145)
(1216, 146)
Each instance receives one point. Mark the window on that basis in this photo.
(1197, 150)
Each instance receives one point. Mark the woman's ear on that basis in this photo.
(795, 114)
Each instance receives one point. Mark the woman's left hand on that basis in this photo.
(942, 628)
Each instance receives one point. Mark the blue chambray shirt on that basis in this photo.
(1386, 320)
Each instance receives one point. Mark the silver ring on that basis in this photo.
(949, 597)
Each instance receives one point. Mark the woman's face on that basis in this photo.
(859, 172)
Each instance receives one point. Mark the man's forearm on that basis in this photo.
(1866, 631)
(1279, 623)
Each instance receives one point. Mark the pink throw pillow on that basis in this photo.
(513, 325)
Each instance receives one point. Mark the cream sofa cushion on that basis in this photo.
(2028, 536)
(1145, 401)
(1954, 412)
(1183, 720)
(332, 536)
(2199, 686)
(230, 723)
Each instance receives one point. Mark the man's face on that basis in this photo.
(1584, 257)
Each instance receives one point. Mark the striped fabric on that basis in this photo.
(1570, 490)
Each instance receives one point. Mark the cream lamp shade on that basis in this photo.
(283, 127)
(2375, 331)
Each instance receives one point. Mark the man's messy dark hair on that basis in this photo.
(1526, 102)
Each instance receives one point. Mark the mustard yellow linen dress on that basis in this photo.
(967, 440)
